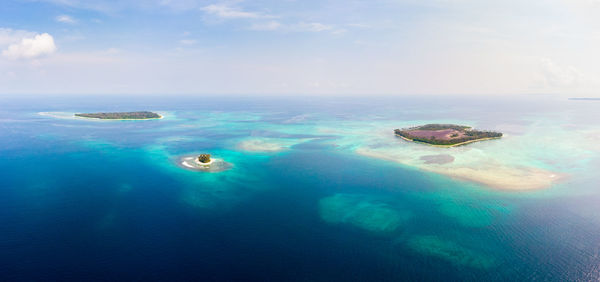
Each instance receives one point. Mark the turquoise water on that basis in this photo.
(317, 190)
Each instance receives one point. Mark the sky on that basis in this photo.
(300, 47)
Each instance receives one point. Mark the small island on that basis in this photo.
(445, 135)
(204, 159)
(203, 163)
(121, 115)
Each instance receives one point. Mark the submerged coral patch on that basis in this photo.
(451, 252)
(204, 190)
(267, 144)
(258, 145)
(467, 215)
(365, 213)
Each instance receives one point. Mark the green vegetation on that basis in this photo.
(435, 126)
(445, 134)
(204, 158)
(121, 115)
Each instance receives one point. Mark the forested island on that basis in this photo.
(204, 159)
(584, 99)
(447, 135)
(121, 115)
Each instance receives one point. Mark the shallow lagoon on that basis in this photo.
(302, 200)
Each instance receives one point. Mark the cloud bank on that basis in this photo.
(290, 47)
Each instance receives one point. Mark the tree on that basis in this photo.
(204, 158)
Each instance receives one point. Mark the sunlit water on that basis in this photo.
(317, 190)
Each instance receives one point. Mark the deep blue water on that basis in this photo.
(82, 200)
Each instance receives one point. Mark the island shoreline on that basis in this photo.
(447, 146)
(118, 119)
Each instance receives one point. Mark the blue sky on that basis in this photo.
(288, 47)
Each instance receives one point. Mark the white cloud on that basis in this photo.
(66, 19)
(178, 5)
(10, 36)
(31, 47)
(359, 25)
(298, 27)
(112, 51)
(314, 27)
(187, 41)
(339, 31)
(112, 6)
(94, 5)
(272, 25)
(557, 76)
(226, 12)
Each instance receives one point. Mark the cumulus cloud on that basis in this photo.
(31, 47)
(10, 36)
(66, 19)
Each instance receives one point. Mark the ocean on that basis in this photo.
(319, 189)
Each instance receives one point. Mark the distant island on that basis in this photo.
(445, 135)
(121, 115)
(584, 99)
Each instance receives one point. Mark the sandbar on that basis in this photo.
(190, 162)
(495, 175)
(437, 159)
